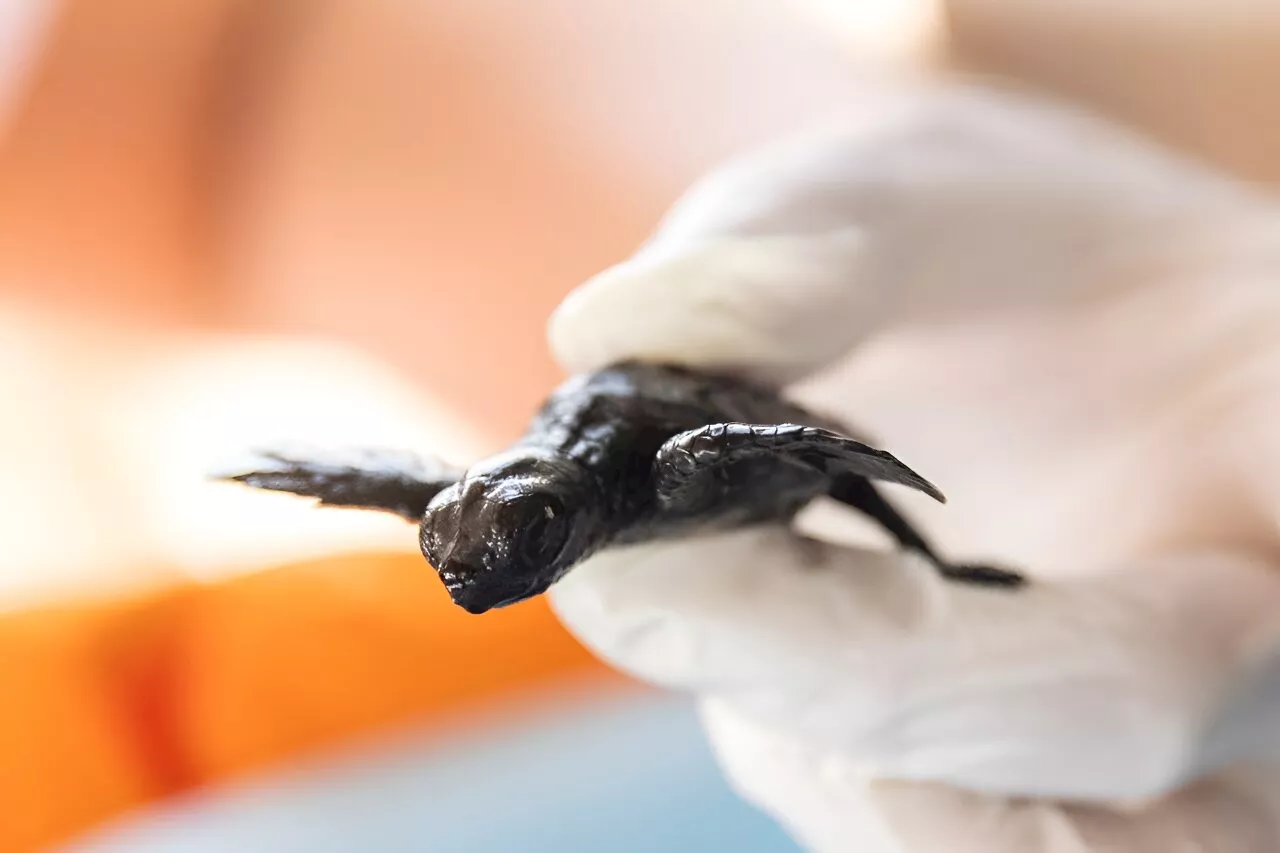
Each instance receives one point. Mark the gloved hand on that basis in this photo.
(1077, 337)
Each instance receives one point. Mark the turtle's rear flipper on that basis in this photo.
(982, 575)
(385, 480)
(858, 492)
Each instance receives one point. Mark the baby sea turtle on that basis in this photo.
(627, 454)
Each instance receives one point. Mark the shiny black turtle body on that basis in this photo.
(631, 453)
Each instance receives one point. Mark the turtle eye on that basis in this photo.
(544, 537)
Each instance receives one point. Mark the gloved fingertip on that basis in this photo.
(776, 308)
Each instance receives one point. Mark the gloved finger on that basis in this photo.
(951, 200)
(1098, 688)
(776, 305)
(830, 806)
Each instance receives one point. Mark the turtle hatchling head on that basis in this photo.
(509, 529)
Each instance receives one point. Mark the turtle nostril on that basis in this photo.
(459, 575)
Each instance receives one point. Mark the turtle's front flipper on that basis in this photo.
(689, 460)
(689, 468)
(386, 480)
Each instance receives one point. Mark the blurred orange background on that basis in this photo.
(226, 222)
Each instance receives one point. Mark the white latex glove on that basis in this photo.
(1078, 339)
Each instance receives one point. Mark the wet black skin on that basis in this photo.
(631, 453)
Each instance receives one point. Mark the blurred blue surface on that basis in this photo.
(627, 775)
